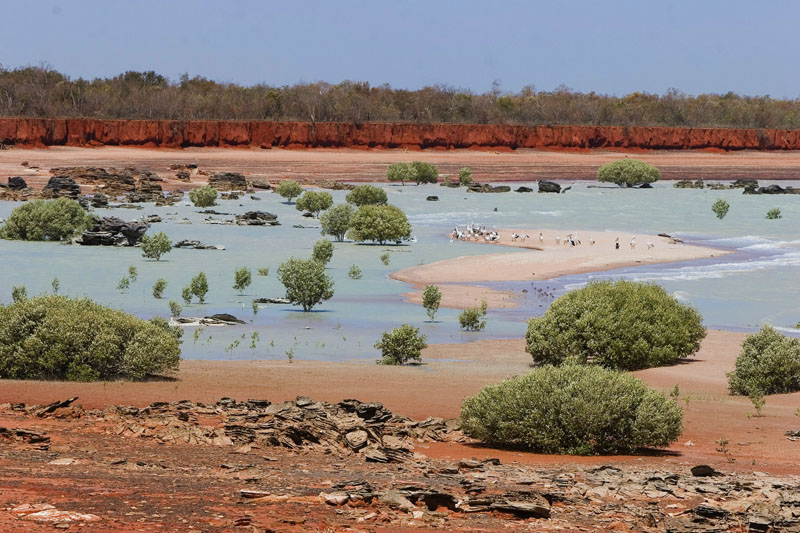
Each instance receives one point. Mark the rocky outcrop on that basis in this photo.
(112, 231)
(61, 187)
(775, 189)
(486, 187)
(689, 184)
(523, 189)
(549, 186)
(432, 198)
(197, 245)
(228, 181)
(16, 183)
(257, 218)
(179, 134)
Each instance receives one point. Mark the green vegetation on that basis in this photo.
(473, 318)
(199, 286)
(314, 202)
(354, 272)
(401, 172)
(124, 284)
(159, 287)
(336, 221)
(46, 220)
(186, 294)
(385, 258)
(628, 173)
(156, 246)
(133, 273)
(19, 293)
(322, 251)
(40, 91)
(289, 189)
(367, 195)
(204, 196)
(464, 177)
(305, 282)
(56, 285)
(263, 271)
(379, 223)
(175, 309)
(55, 337)
(424, 172)
(242, 278)
(431, 299)
(401, 345)
(769, 363)
(720, 208)
(774, 214)
(622, 325)
(572, 409)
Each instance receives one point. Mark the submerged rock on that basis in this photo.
(549, 186)
(487, 188)
(523, 189)
(257, 218)
(112, 231)
(228, 181)
(197, 245)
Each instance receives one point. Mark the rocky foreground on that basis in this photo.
(307, 465)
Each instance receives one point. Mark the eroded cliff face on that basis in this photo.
(32, 132)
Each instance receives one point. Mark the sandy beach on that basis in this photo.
(542, 260)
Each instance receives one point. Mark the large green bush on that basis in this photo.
(314, 202)
(401, 345)
(336, 221)
(623, 324)
(424, 172)
(56, 337)
(204, 196)
(305, 281)
(367, 195)
(572, 409)
(628, 173)
(46, 220)
(379, 223)
(769, 363)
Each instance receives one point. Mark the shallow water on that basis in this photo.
(759, 284)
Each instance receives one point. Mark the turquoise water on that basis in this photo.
(758, 284)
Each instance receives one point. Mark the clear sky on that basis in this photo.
(615, 47)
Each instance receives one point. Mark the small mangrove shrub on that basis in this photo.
(769, 363)
(322, 251)
(401, 345)
(242, 278)
(473, 318)
(431, 299)
(354, 272)
(720, 208)
(156, 246)
(774, 214)
(159, 287)
(204, 196)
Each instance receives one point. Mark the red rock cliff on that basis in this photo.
(176, 134)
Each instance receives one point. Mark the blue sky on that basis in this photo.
(613, 47)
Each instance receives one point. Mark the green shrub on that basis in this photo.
(55, 337)
(56, 285)
(314, 202)
(242, 278)
(175, 308)
(367, 195)
(156, 246)
(124, 284)
(305, 282)
(424, 172)
(431, 299)
(401, 345)
(385, 258)
(336, 221)
(465, 177)
(623, 325)
(264, 271)
(322, 251)
(289, 189)
(204, 196)
(354, 272)
(473, 318)
(186, 294)
(379, 223)
(720, 208)
(769, 363)
(159, 287)
(774, 214)
(199, 286)
(401, 172)
(46, 220)
(572, 409)
(133, 273)
(19, 293)
(628, 173)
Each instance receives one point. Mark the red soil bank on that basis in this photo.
(33, 132)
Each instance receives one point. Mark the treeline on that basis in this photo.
(43, 92)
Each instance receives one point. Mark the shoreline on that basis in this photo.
(542, 261)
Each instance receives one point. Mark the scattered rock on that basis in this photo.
(259, 183)
(221, 319)
(34, 438)
(432, 198)
(197, 245)
(335, 498)
(704, 471)
(151, 219)
(523, 189)
(62, 187)
(228, 181)
(487, 188)
(689, 184)
(549, 186)
(257, 218)
(112, 231)
(271, 301)
(43, 512)
(17, 183)
(396, 500)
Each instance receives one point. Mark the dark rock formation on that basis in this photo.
(197, 245)
(549, 186)
(259, 183)
(228, 181)
(16, 183)
(257, 218)
(689, 184)
(62, 187)
(112, 231)
(487, 188)
(523, 189)
(432, 198)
